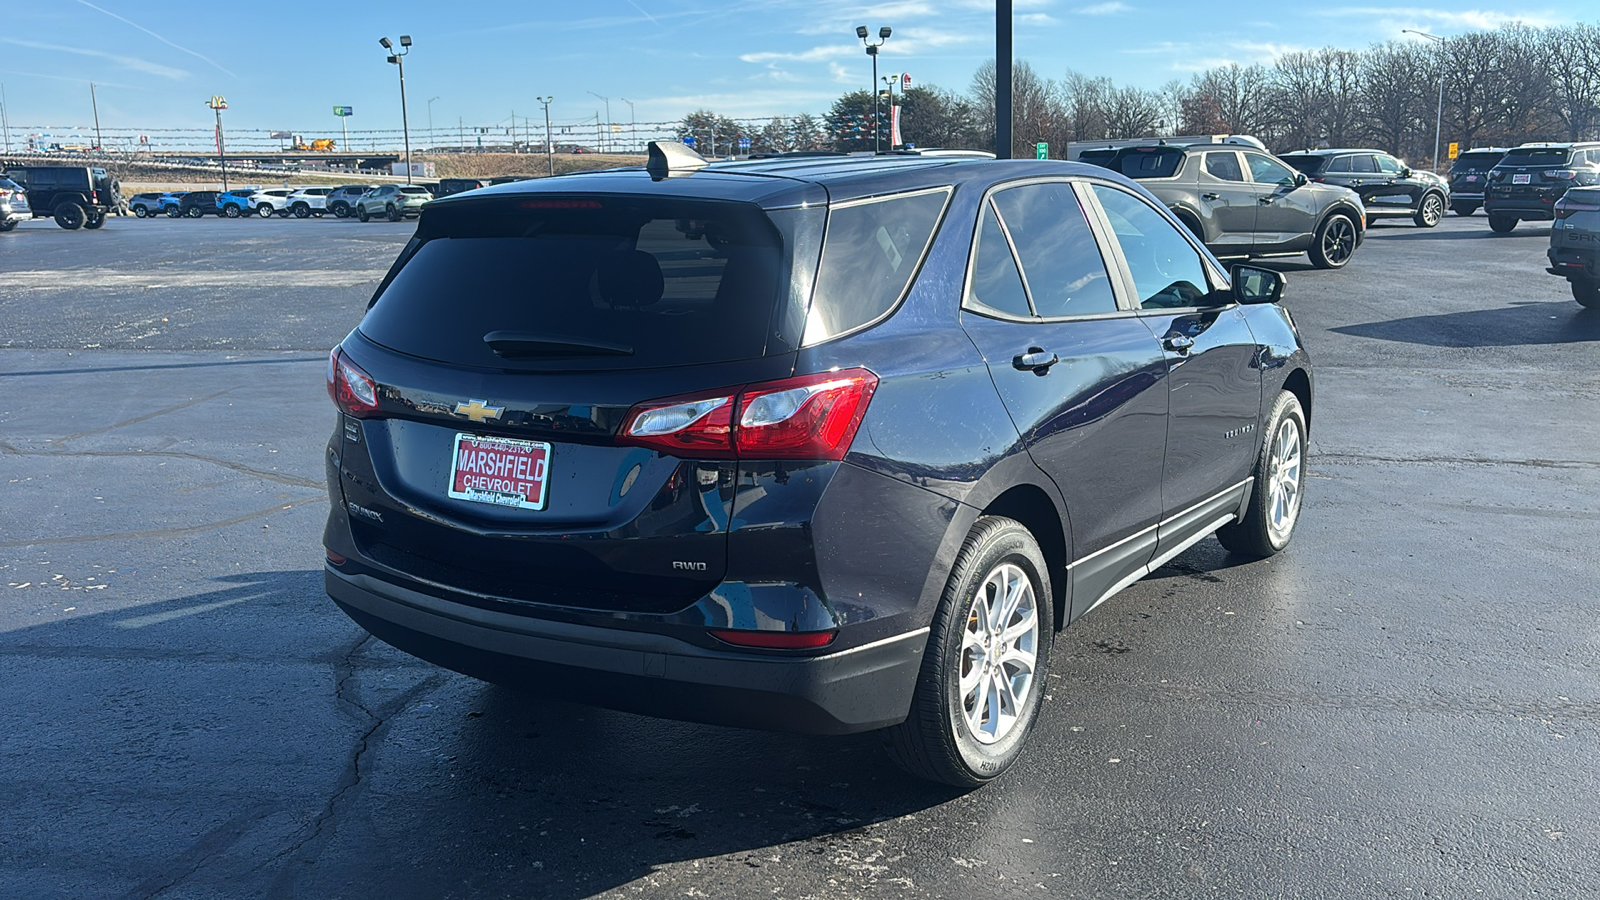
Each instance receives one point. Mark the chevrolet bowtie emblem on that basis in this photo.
(478, 411)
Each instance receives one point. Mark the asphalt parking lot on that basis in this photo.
(1404, 704)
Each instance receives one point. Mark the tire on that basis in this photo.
(1464, 209)
(1334, 242)
(194, 212)
(341, 210)
(302, 211)
(70, 215)
(8, 224)
(941, 741)
(1502, 224)
(1586, 291)
(264, 210)
(95, 220)
(231, 211)
(362, 214)
(1430, 212)
(1278, 486)
(173, 212)
(139, 212)
(393, 212)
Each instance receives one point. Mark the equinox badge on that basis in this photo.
(478, 411)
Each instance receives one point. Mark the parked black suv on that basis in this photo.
(1387, 186)
(1530, 179)
(198, 203)
(1469, 174)
(448, 186)
(819, 445)
(1243, 202)
(75, 196)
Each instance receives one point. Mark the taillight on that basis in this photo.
(776, 640)
(806, 417)
(352, 390)
(1561, 174)
(1567, 206)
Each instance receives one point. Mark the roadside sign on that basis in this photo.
(1455, 149)
(1041, 150)
(905, 80)
(744, 143)
(344, 111)
(689, 140)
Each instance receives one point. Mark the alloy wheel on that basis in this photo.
(1283, 480)
(999, 651)
(1339, 241)
(1432, 210)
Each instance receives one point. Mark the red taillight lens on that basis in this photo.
(1561, 174)
(807, 417)
(351, 389)
(334, 558)
(776, 640)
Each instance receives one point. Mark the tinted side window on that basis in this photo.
(1363, 164)
(1151, 162)
(1060, 260)
(1387, 164)
(1224, 166)
(1341, 164)
(868, 256)
(1166, 269)
(1266, 170)
(996, 283)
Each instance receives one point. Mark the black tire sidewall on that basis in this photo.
(70, 216)
(1252, 536)
(997, 541)
(1317, 256)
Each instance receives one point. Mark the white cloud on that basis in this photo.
(1104, 9)
(1037, 19)
(1190, 57)
(815, 54)
(127, 62)
(1445, 19)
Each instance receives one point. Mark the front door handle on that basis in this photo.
(1037, 360)
(1210, 196)
(1268, 199)
(1178, 343)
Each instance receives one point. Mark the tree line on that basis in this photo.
(1502, 87)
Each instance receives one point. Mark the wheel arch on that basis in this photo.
(1298, 383)
(1036, 511)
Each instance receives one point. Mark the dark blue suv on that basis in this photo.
(813, 444)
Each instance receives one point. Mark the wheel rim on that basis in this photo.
(1338, 242)
(999, 650)
(1432, 210)
(1283, 484)
(264, 211)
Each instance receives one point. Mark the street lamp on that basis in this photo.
(872, 51)
(549, 151)
(398, 58)
(633, 124)
(892, 81)
(605, 142)
(1438, 117)
(430, 120)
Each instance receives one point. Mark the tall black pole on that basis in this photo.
(100, 146)
(405, 122)
(1002, 79)
(222, 151)
(873, 52)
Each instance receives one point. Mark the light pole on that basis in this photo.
(872, 51)
(549, 151)
(430, 120)
(1438, 116)
(633, 124)
(99, 143)
(218, 103)
(605, 142)
(892, 81)
(398, 57)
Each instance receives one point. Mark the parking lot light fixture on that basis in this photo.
(397, 57)
(872, 51)
(1438, 116)
(605, 140)
(549, 150)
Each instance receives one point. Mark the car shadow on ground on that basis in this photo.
(1520, 324)
(1540, 230)
(441, 781)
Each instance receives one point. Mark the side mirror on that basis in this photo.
(1253, 284)
(1405, 171)
(1300, 179)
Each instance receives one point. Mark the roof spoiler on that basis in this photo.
(669, 158)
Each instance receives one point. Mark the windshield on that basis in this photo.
(1536, 156)
(674, 282)
(1477, 160)
(1306, 164)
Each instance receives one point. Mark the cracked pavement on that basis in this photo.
(1406, 703)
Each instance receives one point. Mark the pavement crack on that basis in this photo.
(161, 532)
(302, 853)
(241, 468)
(210, 845)
(142, 418)
(1327, 457)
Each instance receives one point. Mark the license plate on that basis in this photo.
(1521, 179)
(500, 471)
(1472, 178)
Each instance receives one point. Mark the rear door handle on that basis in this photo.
(1037, 359)
(1178, 343)
(1210, 196)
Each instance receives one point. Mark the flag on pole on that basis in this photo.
(894, 126)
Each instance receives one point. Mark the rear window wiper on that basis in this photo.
(516, 344)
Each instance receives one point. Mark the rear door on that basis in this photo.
(1080, 373)
(1231, 198)
(1394, 191)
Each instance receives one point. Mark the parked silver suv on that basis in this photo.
(1575, 243)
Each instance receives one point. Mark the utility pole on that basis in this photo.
(549, 149)
(431, 138)
(605, 138)
(1002, 79)
(219, 103)
(633, 125)
(1438, 116)
(5, 117)
(461, 132)
(99, 144)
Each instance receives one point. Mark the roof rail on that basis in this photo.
(669, 158)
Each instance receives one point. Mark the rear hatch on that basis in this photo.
(1470, 172)
(1531, 172)
(507, 348)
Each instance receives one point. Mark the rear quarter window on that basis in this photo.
(1150, 163)
(869, 255)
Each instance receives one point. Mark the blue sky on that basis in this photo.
(283, 65)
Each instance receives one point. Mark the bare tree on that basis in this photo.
(1572, 59)
(1132, 112)
(1395, 90)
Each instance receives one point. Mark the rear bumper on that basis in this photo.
(1522, 207)
(858, 689)
(1568, 262)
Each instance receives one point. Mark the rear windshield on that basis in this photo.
(1536, 156)
(1307, 164)
(1477, 160)
(1149, 162)
(555, 283)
